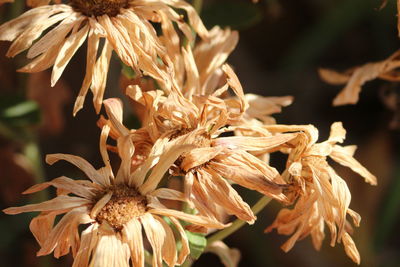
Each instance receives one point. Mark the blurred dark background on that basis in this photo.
(282, 44)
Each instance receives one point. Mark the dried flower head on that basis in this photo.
(114, 209)
(323, 196)
(199, 120)
(59, 30)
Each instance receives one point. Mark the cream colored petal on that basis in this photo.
(156, 235)
(234, 83)
(200, 200)
(114, 111)
(351, 249)
(166, 160)
(89, 238)
(250, 172)
(333, 77)
(13, 28)
(104, 153)
(253, 143)
(355, 216)
(57, 203)
(318, 234)
(167, 193)
(119, 39)
(342, 156)
(192, 74)
(53, 37)
(185, 250)
(194, 18)
(198, 220)
(343, 195)
(100, 204)
(32, 32)
(92, 48)
(140, 173)
(99, 78)
(188, 184)
(260, 106)
(42, 225)
(82, 164)
(78, 187)
(125, 152)
(111, 251)
(310, 131)
(65, 235)
(169, 247)
(71, 45)
(210, 54)
(223, 194)
(338, 133)
(229, 257)
(199, 156)
(44, 61)
(132, 234)
(320, 150)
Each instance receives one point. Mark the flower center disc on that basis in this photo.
(99, 7)
(125, 204)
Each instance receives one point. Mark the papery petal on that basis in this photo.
(156, 235)
(89, 239)
(58, 203)
(343, 157)
(110, 251)
(80, 188)
(82, 164)
(351, 249)
(198, 220)
(132, 234)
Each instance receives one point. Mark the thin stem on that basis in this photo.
(236, 225)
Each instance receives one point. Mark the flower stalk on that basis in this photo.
(237, 224)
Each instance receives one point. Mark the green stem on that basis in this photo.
(236, 225)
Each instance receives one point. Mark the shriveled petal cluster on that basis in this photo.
(53, 34)
(197, 112)
(323, 197)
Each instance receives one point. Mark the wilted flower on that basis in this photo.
(200, 120)
(124, 24)
(114, 209)
(323, 196)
